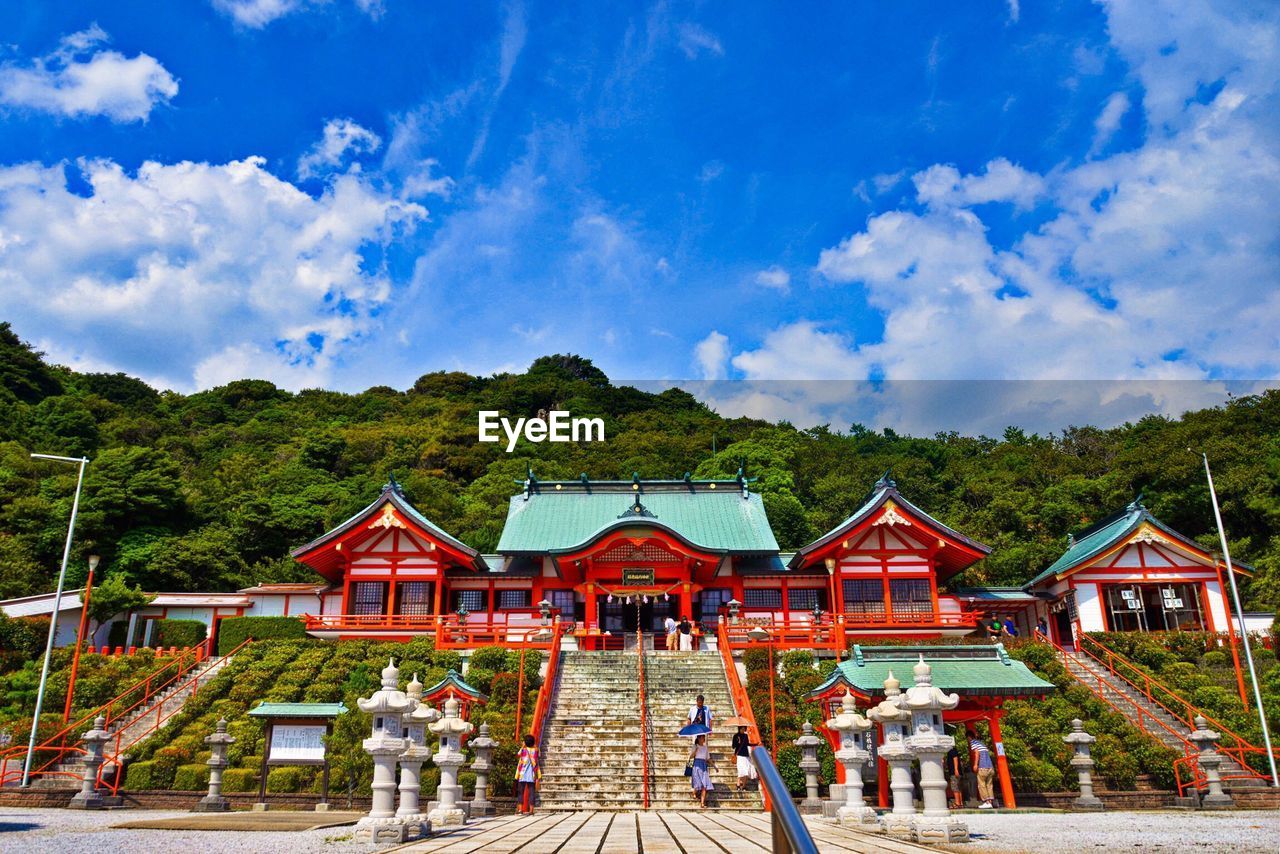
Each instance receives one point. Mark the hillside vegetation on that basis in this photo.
(210, 490)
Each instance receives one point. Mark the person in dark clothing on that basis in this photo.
(993, 629)
(955, 777)
(742, 756)
(686, 634)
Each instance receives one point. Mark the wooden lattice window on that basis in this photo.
(757, 598)
(911, 597)
(643, 553)
(367, 597)
(864, 596)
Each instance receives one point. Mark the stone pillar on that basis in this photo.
(1210, 760)
(449, 758)
(385, 744)
(930, 744)
(482, 765)
(1083, 763)
(852, 810)
(808, 744)
(218, 744)
(416, 752)
(88, 798)
(893, 720)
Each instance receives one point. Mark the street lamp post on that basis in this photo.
(57, 604)
(84, 624)
(1244, 635)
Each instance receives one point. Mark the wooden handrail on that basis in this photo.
(741, 700)
(184, 662)
(547, 691)
(644, 719)
(161, 719)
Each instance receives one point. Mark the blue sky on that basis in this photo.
(354, 192)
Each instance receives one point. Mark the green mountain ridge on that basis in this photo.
(209, 491)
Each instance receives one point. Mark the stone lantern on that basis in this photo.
(544, 608)
(482, 765)
(415, 753)
(894, 720)
(853, 729)
(1210, 760)
(930, 744)
(218, 743)
(735, 608)
(808, 744)
(449, 758)
(94, 740)
(1083, 763)
(385, 744)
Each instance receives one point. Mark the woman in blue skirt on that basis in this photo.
(700, 756)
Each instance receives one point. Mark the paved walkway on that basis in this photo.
(647, 832)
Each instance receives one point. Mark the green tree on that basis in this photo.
(112, 597)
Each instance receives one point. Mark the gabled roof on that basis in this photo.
(980, 670)
(453, 685)
(885, 491)
(719, 516)
(297, 710)
(394, 496)
(1107, 534)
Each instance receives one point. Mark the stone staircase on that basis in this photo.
(591, 751)
(1128, 700)
(140, 723)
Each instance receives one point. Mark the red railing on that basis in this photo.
(789, 634)
(644, 719)
(113, 710)
(115, 758)
(548, 689)
(370, 622)
(502, 628)
(525, 644)
(1159, 694)
(741, 700)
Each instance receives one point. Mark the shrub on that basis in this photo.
(239, 780)
(21, 639)
(180, 633)
(756, 660)
(489, 658)
(1215, 658)
(234, 630)
(141, 776)
(287, 779)
(191, 778)
(504, 689)
(795, 661)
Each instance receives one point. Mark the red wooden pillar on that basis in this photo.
(1002, 762)
(882, 770)
(592, 615)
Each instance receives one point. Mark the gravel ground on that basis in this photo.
(35, 831)
(1242, 832)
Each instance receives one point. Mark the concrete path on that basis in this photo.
(277, 820)
(643, 833)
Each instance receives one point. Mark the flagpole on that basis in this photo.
(1244, 635)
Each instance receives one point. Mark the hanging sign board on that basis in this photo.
(297, 744)
(637, 577)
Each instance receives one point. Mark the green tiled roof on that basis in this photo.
(297, 710)
(976, 670)
(717, 516)
(1096, 540)
(453, 682)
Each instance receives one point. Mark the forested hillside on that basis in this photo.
(210, 490)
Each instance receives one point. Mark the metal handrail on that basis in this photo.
(644, 719)
(790, 834)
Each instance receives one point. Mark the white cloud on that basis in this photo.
(712, 356)
(257, 14)
(81, 79)
(774, 277)
(1108, 121)
(342, 139)
(694, 40)
(799, 351)
(211, 271)
(944, 186)
(1015, 11)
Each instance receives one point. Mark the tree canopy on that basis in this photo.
(208, 491)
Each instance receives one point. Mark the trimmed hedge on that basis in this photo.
(180, 633)
(239, 780)
(235, 630)
(191, 778)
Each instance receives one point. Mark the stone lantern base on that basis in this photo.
(454, 817)
(460, 804)
(939, 829)
(1089, 804)
(1217, 802)
(212, 803)
(416, 826)
(856, 816)
(91, 801)
(898, 825)
(379, 830)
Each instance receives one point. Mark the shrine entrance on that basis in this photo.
(622, 615)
